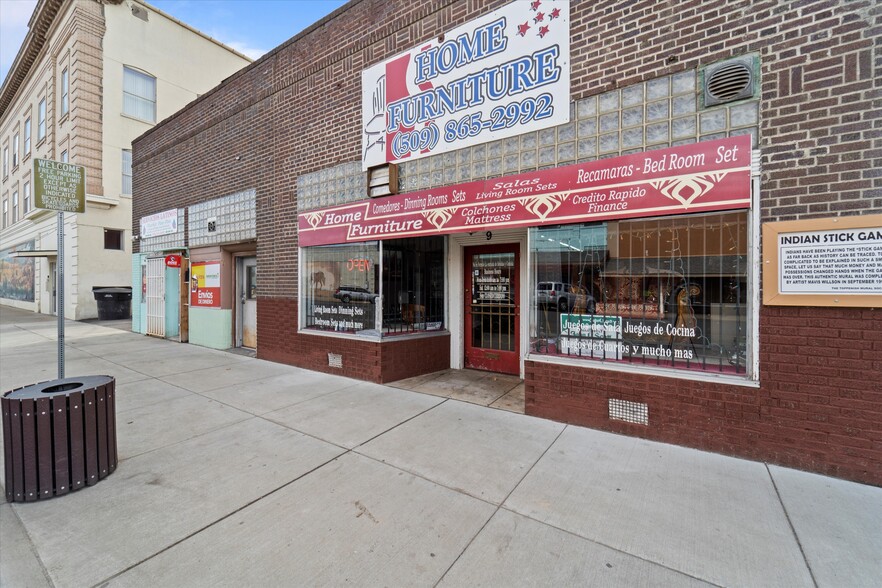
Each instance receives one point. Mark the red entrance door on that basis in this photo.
(492, 308)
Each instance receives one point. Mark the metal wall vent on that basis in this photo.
(727, 81)
(335, 360)
(629, 412)
(139, 12)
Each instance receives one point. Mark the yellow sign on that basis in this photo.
(59, 186)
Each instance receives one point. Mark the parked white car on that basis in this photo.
(564, 297)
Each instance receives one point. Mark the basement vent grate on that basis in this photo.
(729, 81)
(335, 360)
(629, 412)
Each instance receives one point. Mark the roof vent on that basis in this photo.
(730, 80)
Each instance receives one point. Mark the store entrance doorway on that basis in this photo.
(246, 295)
(492, 308)
(156, 296)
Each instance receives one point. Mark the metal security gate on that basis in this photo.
(156, 296)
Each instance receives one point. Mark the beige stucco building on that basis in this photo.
(90, 76)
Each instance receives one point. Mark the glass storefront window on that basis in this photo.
(413, 285)
(340, 287)
(377, 288)
(660, 292)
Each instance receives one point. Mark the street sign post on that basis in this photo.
(60, 186)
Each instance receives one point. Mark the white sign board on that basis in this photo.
(498, 76)
(844, 261)
(161, 223)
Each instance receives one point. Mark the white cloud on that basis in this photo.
(14, 17)
(244, 48)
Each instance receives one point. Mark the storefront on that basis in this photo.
(640, 261)
(541, 189)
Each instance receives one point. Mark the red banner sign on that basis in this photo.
(702, 177)
(173, 261)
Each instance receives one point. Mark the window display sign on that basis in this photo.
(498, 76)
(491, 285)
(591, 336)
(824, 262)
(161, 223)
(703, 177)
(205, 284)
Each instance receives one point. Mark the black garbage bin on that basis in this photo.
(113, 303)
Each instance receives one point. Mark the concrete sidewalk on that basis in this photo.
(240, 472)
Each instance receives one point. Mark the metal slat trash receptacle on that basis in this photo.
(58, 436)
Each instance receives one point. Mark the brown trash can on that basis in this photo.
(58, 436)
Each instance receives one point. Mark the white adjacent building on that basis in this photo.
(90, 76)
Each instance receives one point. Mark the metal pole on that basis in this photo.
(59, 309)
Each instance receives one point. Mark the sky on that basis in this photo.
(252, 27)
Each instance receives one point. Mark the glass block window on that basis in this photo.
(659, 113)
(139, 94)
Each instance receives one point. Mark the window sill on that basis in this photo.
(696, 376)
(95, 199)
(136, 118)
(375, 337)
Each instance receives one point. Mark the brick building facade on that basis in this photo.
(798, 384)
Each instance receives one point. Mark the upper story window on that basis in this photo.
(139, 94)
(27, 136)
(41, 120)
(126, 171)
(15, 207)
(5, 162)
(26, 196)
(64, 156)
(5, 212)
(65, 91)
(15, 140)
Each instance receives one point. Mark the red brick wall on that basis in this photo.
(297, 110)
(817, 408)
(389, 361)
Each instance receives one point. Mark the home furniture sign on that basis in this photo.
(702, 177)
(498, 76)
